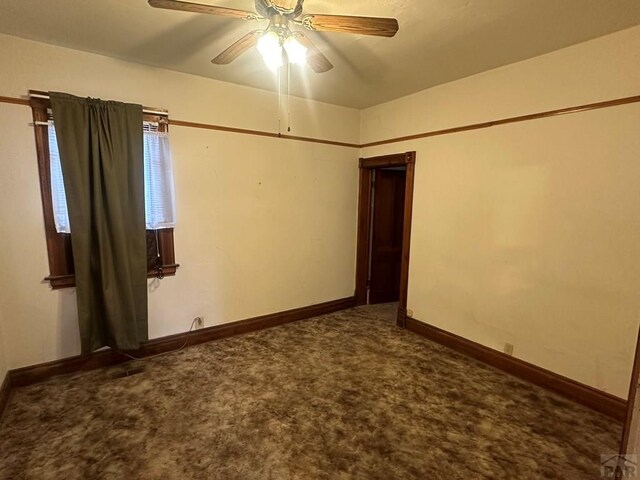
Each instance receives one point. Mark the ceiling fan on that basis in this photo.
(282, 14)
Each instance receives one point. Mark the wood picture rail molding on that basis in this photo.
(14, 100)
(504, 121)
(260, 133)
(219, 128)
(465, 128)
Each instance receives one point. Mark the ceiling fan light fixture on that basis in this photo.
(278, 37)
(271, 50)
(296, 52)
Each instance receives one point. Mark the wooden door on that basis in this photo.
(386, 235)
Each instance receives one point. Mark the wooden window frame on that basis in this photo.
(61, 270)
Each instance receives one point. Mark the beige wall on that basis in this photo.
(529, 233)
(264, 225)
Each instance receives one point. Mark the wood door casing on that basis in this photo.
(367, 167)
(630, 444)
(387, 235)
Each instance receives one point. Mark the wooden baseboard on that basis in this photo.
(36, 373)
(603, 402)
(5, 393)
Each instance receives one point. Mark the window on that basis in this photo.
(159, 199)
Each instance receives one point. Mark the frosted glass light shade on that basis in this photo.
(296, 52)
(271, 50)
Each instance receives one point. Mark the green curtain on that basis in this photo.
(101, 153)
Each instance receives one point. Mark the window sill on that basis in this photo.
(59, 282)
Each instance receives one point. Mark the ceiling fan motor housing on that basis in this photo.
(279, 24)
(268, 8)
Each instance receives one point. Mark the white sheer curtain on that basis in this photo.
(58, 196)
(159, 199)
(158, 181)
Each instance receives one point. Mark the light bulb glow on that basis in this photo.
(271, 50)
(296, 52)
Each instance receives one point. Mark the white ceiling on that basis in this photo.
(439, 40)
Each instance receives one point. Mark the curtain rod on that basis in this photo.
(146, 110)
(46, 124)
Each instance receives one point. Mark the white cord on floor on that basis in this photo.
(186, 340)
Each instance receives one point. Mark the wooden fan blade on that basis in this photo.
(315, 58)
(238, 48)
(200, 8)
(381, 27)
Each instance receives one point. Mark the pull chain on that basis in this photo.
(279, 100)
(288, 97)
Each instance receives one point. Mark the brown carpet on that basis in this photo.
(343, 396)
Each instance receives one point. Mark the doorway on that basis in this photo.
(385, 251)
(384, 230)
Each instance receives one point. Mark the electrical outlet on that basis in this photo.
(508, 349)
(410, 313)
(198, 323)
